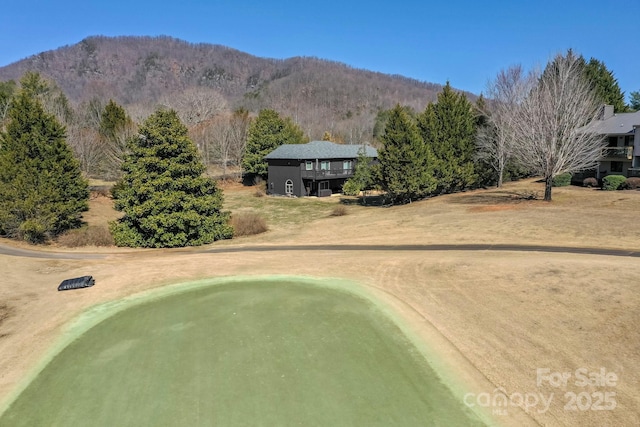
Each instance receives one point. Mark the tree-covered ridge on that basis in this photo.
(166, 199)
(141, 72)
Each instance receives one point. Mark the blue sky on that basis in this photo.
(465, 42)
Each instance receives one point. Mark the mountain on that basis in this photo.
(143, 72)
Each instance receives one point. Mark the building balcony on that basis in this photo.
(327, 174)
(633, 172)
(617, 153)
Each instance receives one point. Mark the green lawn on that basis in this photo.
(281, 211)
(243, 353)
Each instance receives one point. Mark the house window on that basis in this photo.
(325, 165)
(628, 140)
(288, 187)
(347, 165)
(308, 165)
(613, 141)
(324, 185)
(616, 166)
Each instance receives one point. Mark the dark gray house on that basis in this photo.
(318, 168)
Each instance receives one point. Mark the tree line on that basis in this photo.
(161, 187)
(531, 123)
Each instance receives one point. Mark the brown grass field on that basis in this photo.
(490, 318)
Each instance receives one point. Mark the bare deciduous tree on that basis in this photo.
(216, 142)
(239, 123)
(196, 105)
(223, 138)
(495, 141)
(114, 149)
(5, 103)
(550, 132)
(87, 146)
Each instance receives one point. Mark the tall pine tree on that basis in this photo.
(405, 163)
(166, 199)
(113, 121)
(362, 178)
(448, 128)
(634, 100)
(114, 128)
(605, 84)
(266, 133)
(41, 187)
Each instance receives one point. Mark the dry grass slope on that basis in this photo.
(494, 317)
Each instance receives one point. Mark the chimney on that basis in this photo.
(607, 112)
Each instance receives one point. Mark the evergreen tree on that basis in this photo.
(266, 133)
(53, 100)
(166, 200)
(34, 86)
(113, 121)
(605, 85)
(405, 163)
(634, 100)
(362, 178)
(114, 128)
(383, 116)
(485, 135)
(448, 129)
(41, 186)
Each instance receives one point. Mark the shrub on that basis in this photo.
(92, 235)
(248, 224)
(590, 182)
(612, 182)
(562, 180)
(259, 193)
(351, 188)
(339, 210)
(33, 230)
(632, 183)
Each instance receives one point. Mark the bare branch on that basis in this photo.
(549, 133)
(507, 92)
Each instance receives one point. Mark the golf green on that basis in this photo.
(270, 353)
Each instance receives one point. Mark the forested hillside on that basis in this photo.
(142, 73)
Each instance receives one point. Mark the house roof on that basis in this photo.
(621, 123)
(319, 150)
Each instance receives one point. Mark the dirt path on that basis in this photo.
(11, 251)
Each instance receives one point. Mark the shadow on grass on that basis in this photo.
(495, 197)
(375, 201)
